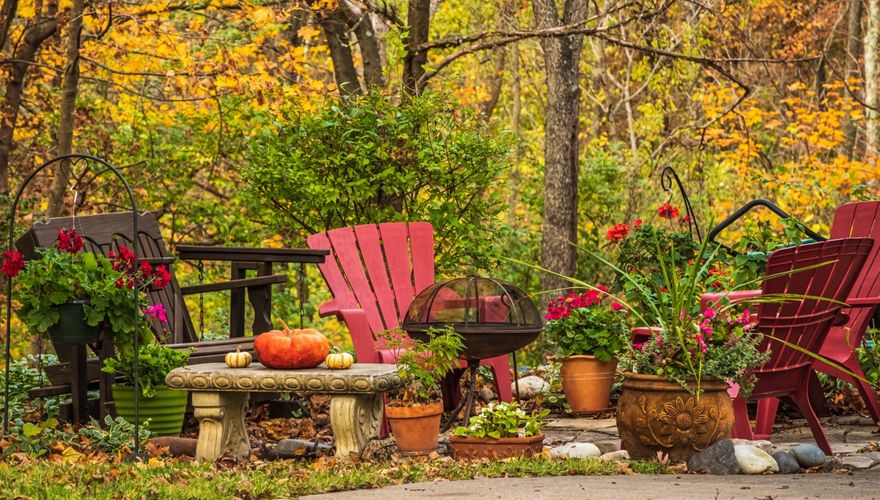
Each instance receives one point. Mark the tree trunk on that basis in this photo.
(24, 56)
(64, 141)
(365, 31)
(418, 19)
(7, 14)
(335, 27)
(516, 96)
(871, 75)
(853, 54)
(561, 58)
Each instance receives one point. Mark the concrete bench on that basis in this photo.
(220, 397)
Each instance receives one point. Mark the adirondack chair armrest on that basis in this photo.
(863, 302)
(710, 299)
(361, 334)
(234, 284)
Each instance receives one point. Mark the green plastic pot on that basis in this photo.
(71, 327)
(164, 411)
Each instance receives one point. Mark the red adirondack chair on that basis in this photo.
(804, 323)
(851, 220)
(374, 271)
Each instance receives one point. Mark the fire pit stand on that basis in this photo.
(492, 316)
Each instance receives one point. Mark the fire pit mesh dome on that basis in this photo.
(473, 304)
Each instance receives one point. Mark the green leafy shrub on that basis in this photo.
(503, 420)
(25, 374)
(379, 158)
(154, 363)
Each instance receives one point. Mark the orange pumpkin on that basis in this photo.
(288, 349)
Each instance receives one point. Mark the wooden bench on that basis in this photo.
(220, 397)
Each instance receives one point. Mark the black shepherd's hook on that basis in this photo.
(74, 159)
(666, 177)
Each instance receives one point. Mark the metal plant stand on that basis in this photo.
(80, 403)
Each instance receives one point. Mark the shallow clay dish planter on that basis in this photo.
(415, 428)
(655, 414)
(472, 447)
(586, 382)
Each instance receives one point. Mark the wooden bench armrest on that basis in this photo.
(234, 284)
(243, 254)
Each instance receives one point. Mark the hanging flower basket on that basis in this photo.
(71, 327)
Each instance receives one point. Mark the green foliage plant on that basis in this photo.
(381, 158)
(114, 436)
(423, 365)
(503, 420)
(587, 323)
(154, 363)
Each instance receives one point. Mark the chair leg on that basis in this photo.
(742, 429)
(765, 417)
(450, 388)
(817, 396)
(869, 397)
(801, 399)
(501, 368)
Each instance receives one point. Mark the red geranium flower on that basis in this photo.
(618, 232)
(161, 277)
(13, 263)
(69, 240)
(667, 211)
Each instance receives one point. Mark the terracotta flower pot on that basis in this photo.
(472, 447)
(415, 428)
(586, 382)
(656, 414)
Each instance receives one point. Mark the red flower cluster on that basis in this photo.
(161, 277)
(13, 263)
(561, 308)
(618, 232)
(69, 240)
(667, 211)
(124, 261)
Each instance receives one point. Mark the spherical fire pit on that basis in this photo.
(492, 316)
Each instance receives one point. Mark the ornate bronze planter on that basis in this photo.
(655, 414)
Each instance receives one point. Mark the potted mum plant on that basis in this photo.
(500, 430)
(588, 330)
(414, 411)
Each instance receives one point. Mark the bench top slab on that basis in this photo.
(361, 378)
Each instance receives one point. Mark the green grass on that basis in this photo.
(180, 479)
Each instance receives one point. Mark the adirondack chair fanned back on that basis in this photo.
(860, 219)
(377, 269)
(825, 270)
(823, 273)
(106, 232)
(374, 272)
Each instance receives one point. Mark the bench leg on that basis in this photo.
(222, 429)
(354, 419)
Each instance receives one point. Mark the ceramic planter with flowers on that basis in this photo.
(587, 331)
(73, 296)
(414, 412)
(500, 431)
(679, 381)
